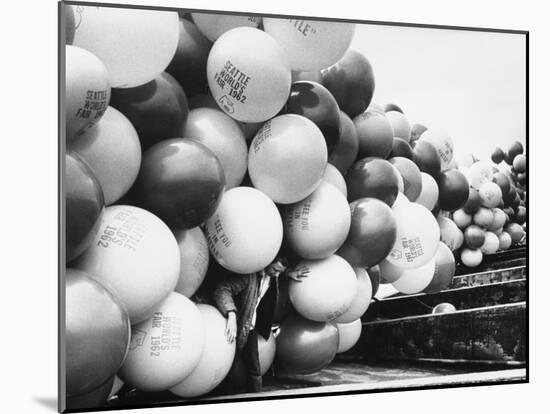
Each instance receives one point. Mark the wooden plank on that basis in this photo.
(490, 276)
(513, 257)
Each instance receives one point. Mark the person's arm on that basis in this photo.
(297, 274)
(224, 298)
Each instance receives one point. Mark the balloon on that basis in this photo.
(374, 133)
(450, 233)
(318, 225)
(113, 152)
(454, 190)
(417, 236)
(516, 232)
(444, 308)
(412, 178)
(158, 110)
(248, 74)
(361, 300)
(345, 151)
(222, 135)
(416, 131)
(348, 334)
(481, 172)
(520, 163)
(400, 125)
(87, 91)
(497, 155)
(490, 244)
(374, 275)
(84, 205)
(444, 270)
(473, 203)
(504, 241)
(313, 76)
(266, 352)
(389, 273)
(471, 257)
(214, 25)
(328, 290)
(373, 106)
(400, 184)
(188, 66)
(92, 400)
(313, 101)
(499, 219)
(514, 150)
(393, 107)
(216, 358)
(371, 177)
(246, 231)
(462, 219)
(415, 280)
(442, 142)
(484, 217)
(97, 333)
(310, 44)
(194, 258)
(134, 44)
(305, 346)
(333, 176)
(167, 347)
(490, 194)
(70, 23)
(351, 82)
(503, 182)
(372, 233)
(181, 181)
(287, 158)
(401, 148)
(202, 100)
(474, 236)
(429, 192)
(522, 178)
(521, 215)
(136, 255)
(426, 157)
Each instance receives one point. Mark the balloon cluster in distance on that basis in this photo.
(197, 141)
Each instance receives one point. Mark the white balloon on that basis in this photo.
(480, 172)
(349, 334)
(415, 280)
(361, 300)
(491, 243)
(442, 142)
(335, 177)
(400, 124)
(194, 260)
(430, 192)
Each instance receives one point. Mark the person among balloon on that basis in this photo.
(248, 302)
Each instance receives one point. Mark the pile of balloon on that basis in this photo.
(210, 141)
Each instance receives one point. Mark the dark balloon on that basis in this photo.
(520, 163)
(351, 82)
(510, 196)
(514, 150)
(84, 205)
(313, 101)
(401, 148)
(304, 346)
(374, 274)
(97, 333)
(521, 215)
(473, 203)
(474, 236)
(157, 110)
(510, 213)
(498, 155)
(522, 178)
(345, 152)
(426, 157)
(445, 267)
(181, 181)
(503, 182)
(454, 190)
(374, 133)
(371, 177)
(392, 107)
(94, 399)
(412, 179)
(416, 131)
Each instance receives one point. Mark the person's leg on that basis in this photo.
(235, 381)
(252, 362)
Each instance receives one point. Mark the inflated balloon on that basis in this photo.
(216, 359)
(427, 158)
(522, 178)
(393, 107)
(305, 75)
(313, 101)
(412, 179)
(471, 257)
(416, 131)
(481, 172)
(87, 91)
(429, 192)
(287, 158)
(417, 236)
(445, 268)
(444, 308)
(462, 219)
(157, 110)
(97, 333)
(371, 177)
(92, 400)
(222, 135)
(484, 217)
(374, 274)
(266, 352)
(134, 44)
(516, 232)
(491, 243)
(188, 65)
(503, 182)
(318, 225)
(442, 142)
(181, 181)
(400, 185)
(504, 241)
(84, 205)
(348, 334)
(520, 163)
(351, 82)
(474, 202)
(372, 233)
(373, 106)
(497, 155)
(202, 100)
(328, 290)
(70, 24)
(450, 233)
(389, 273)
(454, 190)
(246, 231)
(510, 214)
(401, 148)
(132, 241)
(453, 164)
(521, 215)
(361, 300)
(474, 236)
(374, 133)
(514, 150)
(400, 124)
(415, 280)
(305, 346)
(310, 44)
(194, 257)
(248, 74)
(490, 194)
(499, 219)
(214, 25)
(343, 155)
(333, 176)
(113, 152)
(166, 348)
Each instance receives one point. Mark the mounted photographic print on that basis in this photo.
(257, 207)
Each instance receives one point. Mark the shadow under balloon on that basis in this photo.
(47, 402)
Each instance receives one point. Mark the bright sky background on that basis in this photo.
(473, 84)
